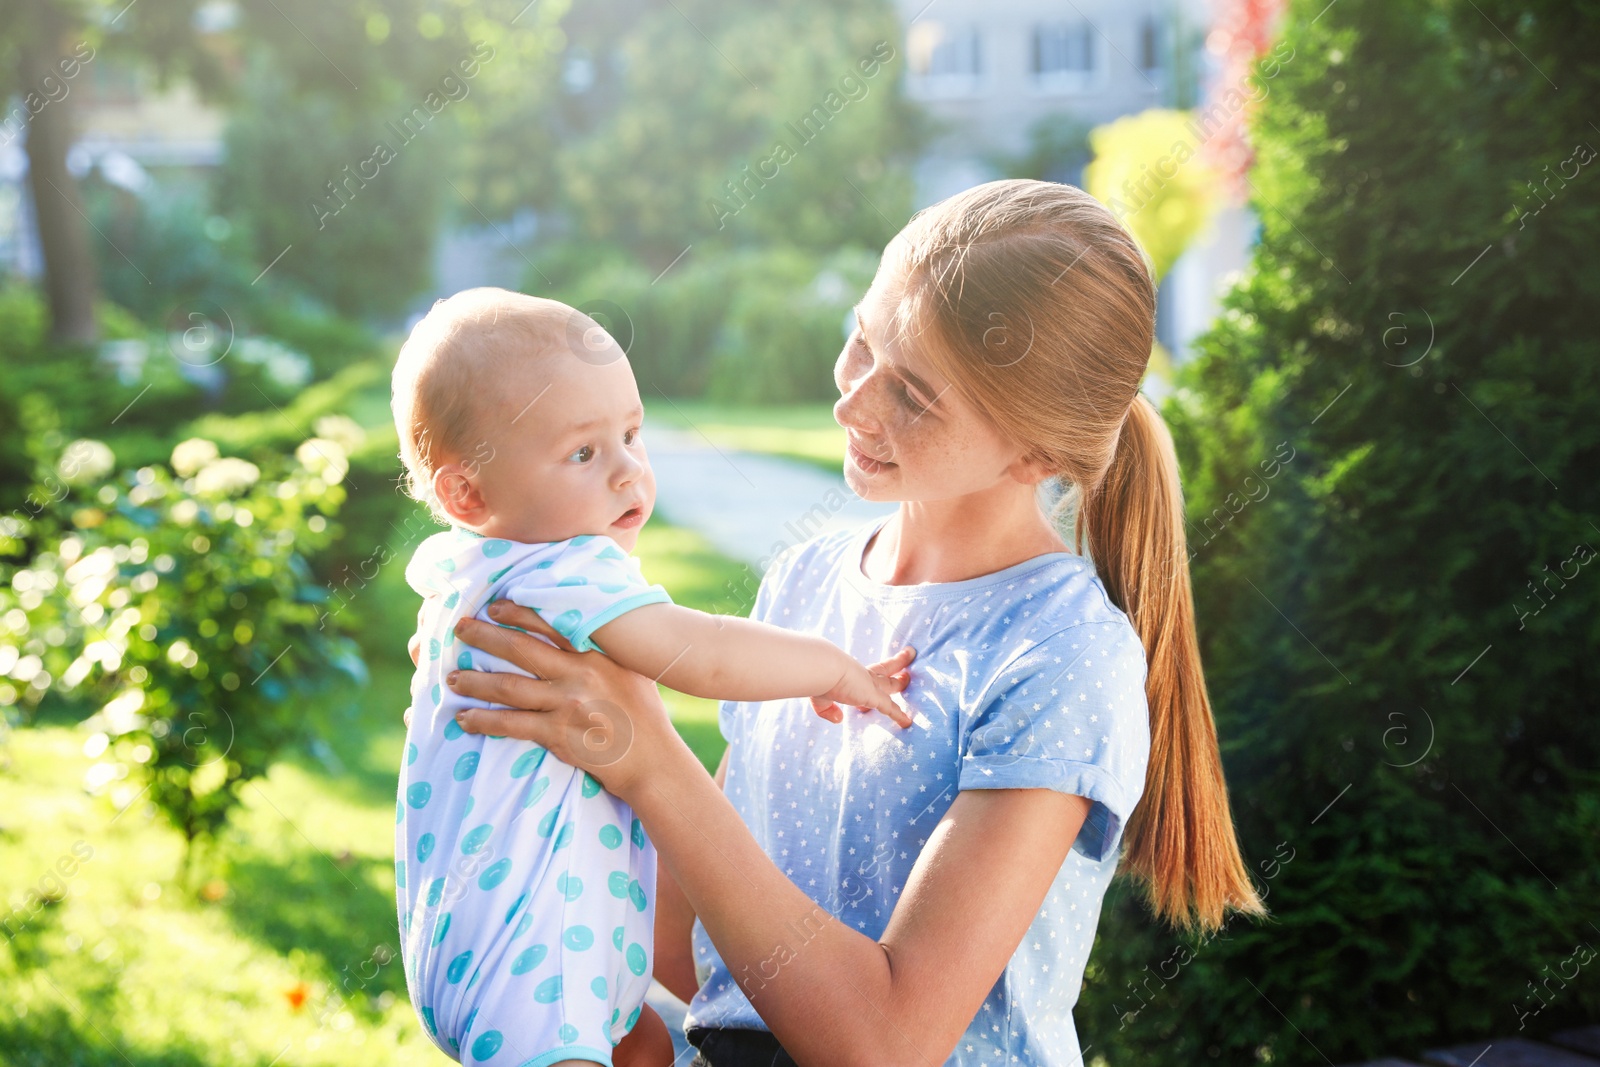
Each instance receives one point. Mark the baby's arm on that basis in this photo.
(724, 657)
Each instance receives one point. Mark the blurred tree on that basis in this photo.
(1148, 170)
(44, 47)
(734, 123)
(1389, 449)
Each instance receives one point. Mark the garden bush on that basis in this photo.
(1389, 443)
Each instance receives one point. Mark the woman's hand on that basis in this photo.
(588, 710)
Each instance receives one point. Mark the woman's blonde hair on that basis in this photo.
(1039, 308)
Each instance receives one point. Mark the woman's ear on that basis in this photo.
(1030, 469)
(458, 494)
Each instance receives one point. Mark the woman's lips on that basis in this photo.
(630, 518)
(865, 463)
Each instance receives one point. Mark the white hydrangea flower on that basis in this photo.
(85, 461)
(191, 455)
(323, 457)
(225, 477)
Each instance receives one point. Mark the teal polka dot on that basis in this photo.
(544, 564)
(472, 982)
(464, 661)
(435, 891)
(611, 587)
(633, 1017)
(529, 959)
(446, 565)
(435, 693)
(636, 894)
(427, 1017)
(610, 552)
(535, 791)
(511, 912)
(399, 874)
(638, 834)
(487, 1045)
(451, 601)
(617, 882)
(548, 991)
(468, 809)
(573, 579)
(458, 967)
(566, 624)
(547, 825)
(476, 838)
(452, 730)
(424, 848)
(443, 927)
(399, 812)
(466, 766)
(417, 796)
(590, 787)
(617, 936)
(637, 959)
(577, 938)
(411, 754)
(499, 574)
(523, 924)
(496, 548)
(599, 987)
(433, 648)
(610, 836)
(569, 886)
(568, 1033)
(495, 874)
(564, 836)
(527, 763)
(582, 539)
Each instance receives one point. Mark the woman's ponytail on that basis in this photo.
(1180, 841)
(1039, 307)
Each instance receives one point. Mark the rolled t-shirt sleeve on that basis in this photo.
(1067, 713)
(591, 582)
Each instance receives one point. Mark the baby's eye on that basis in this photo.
(630, 436)
(582, 455)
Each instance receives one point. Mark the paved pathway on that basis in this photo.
(749, 506)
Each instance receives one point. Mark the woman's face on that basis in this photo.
(911, 436)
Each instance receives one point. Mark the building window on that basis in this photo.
(944, 61)
(1064, 57)
(1149, 45)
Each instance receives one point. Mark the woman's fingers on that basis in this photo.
(504, 722)
(510, 613)
(526, 651)
(512, 690)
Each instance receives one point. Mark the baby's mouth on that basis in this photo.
(632, 517)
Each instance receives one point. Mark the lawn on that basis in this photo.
(805, 432)
(280, 947)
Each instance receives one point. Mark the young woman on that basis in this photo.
(852, 892)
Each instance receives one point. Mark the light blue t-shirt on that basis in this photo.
(1028, 677)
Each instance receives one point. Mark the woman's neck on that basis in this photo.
(961, 538)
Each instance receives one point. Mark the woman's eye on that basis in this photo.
(582, 455)
(909, 399)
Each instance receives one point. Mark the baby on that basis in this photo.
(526, 892)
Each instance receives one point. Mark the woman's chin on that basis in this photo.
(869, 487)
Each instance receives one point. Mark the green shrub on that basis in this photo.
(180, 603)
(1399, 626)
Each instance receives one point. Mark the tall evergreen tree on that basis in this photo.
(1391, 453)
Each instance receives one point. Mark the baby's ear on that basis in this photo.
(457, 493)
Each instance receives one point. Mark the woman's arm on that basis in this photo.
(674, 957)
(829, 994)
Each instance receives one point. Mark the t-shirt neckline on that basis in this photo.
(856, 552)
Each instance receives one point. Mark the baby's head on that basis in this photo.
(519, 419)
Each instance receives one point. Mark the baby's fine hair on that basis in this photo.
(447, 371)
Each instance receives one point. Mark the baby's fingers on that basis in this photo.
(896, 663)
(827, 709)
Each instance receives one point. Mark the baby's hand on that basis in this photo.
(870, 688)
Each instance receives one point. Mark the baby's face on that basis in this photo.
(564, 455)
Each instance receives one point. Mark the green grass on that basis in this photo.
(279, 947)
(804, 432)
